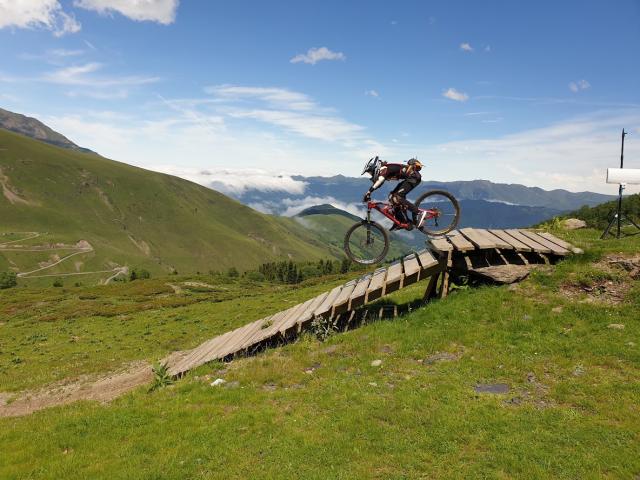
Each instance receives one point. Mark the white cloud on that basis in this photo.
(315, 55)
(311, 126)
(80, 75)
(466, 47)
(62, 52)
(572, 154)
(160, 11)
(372, 93)
(293, 111)
(237, 181)
(47, 14)
(453, 94)
(279, 97)
(579, 85)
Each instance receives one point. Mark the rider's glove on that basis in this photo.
(367, 197)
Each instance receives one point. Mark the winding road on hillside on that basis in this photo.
(78, 250)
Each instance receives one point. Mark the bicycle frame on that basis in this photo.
(387, 210)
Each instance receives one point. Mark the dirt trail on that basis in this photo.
(80, 248)
(34, 235)
(102, 389)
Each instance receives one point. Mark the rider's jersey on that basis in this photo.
(398, 171)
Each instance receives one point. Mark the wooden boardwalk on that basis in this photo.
(341, 299)
(518, 240)
(429, 264)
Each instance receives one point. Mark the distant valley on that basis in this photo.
(483, 203)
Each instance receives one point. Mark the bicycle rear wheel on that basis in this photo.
(366, 243)
(443, 212)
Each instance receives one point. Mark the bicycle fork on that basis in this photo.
(369, 239)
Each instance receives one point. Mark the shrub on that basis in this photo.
(255, 276)
(161, 377)
(8, 280)
(139, 274)
(58, 283)
(233, 272)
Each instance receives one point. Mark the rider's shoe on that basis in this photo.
(409, 227)
(420, 219)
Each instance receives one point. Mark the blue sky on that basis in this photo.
(516, 92)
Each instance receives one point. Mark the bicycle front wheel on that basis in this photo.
(366, 243)
(442, 212)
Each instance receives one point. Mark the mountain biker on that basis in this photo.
(409, 177)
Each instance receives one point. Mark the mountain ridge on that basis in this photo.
(33, 128)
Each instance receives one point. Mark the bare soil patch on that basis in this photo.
(617, 274)
(101, 389)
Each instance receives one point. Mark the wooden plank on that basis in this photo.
(256, 326)
(202, 351)
(341, 303)
(426, 259)
(394, 278)
(293, 320)
(411, 270)
(258, 334)
(307, 316)
(376, 288)
(555, 249)
(190, 360)
(500, 243)
(477, 239)
(535, 246)
(459, 242)
(440, 244)
(431, 286)
(517, 244)
(270, 331)
(226, 347)
(358, 295)
(556, 240)
(325, 306)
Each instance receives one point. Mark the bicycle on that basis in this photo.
(367, 242)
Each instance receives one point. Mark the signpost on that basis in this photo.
(623, 177)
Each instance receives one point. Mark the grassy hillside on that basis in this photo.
(128, 216)
(562, 347)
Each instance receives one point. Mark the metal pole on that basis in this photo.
(620, 188)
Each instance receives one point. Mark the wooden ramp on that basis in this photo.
(429, 264)
(470, 240)
(341, 299)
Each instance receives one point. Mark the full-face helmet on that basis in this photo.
(372, 167)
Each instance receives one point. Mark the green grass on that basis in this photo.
(571, 412)
(65, 332)
(135, 217)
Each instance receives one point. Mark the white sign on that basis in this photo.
(629, 176)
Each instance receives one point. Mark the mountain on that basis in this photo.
(327, 209)
(34, 128)
(484, 203)
(111, 214)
